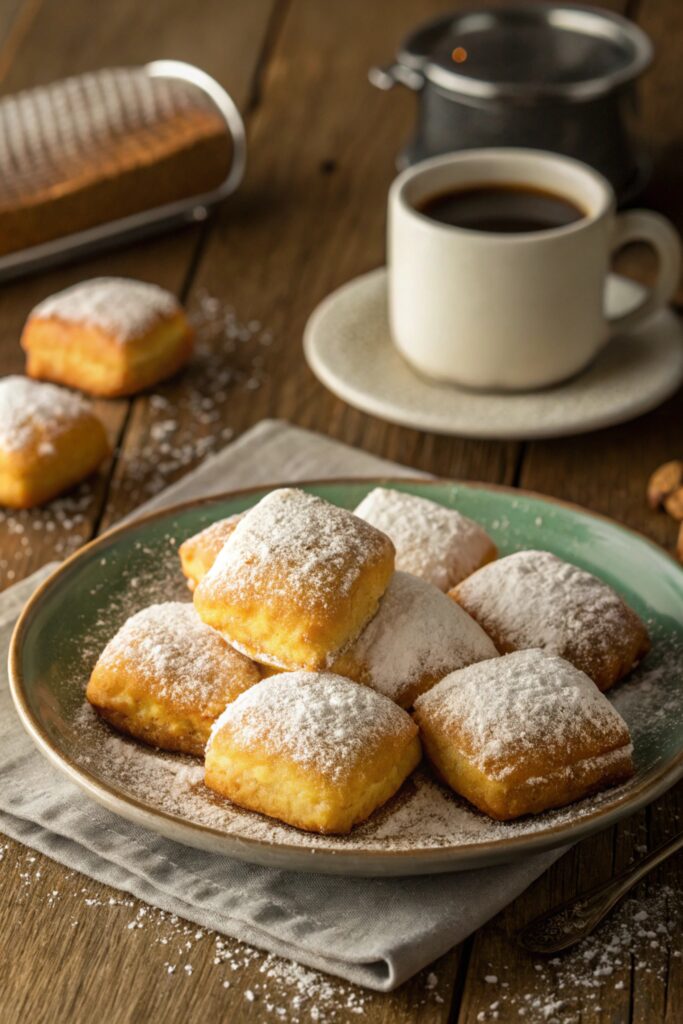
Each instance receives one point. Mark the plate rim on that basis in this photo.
(373, 405)
(340, 861)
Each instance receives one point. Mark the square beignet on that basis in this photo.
(311, 749)
(297, 581)
(523, 733)
(49, 440)
(534, 599)
(110, 336)
(437, 544)
(199, 552)
(166, 676)
(413, 641)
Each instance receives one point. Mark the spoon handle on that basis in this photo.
(568, 923)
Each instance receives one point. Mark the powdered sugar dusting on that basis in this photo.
(417, 633)
(320, 721)
(423, 816)
(507, 711)
(534, 599)
(176, 655)
(33, 413)
(438, 544)
(299, 547)
(122, 308)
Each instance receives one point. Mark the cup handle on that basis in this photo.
(661, 235)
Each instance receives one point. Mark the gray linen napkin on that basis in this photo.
(373, 932)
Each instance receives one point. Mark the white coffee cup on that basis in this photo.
(512, 311)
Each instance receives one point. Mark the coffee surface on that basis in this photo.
(500, 208)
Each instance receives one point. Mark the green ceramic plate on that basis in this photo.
(424, 828)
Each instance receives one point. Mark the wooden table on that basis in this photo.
(310, 216)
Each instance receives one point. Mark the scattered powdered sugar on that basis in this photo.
(183, 424)
(320, 721)
(435, 543)
(170, 650)
(184, 955)
(630, 953)
(119, 306)
(535, 599)
(33, 413)
(418, 633)
(518, 709)
(298, 547)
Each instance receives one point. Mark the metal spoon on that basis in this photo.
(568, 923)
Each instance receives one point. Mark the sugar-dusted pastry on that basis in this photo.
(297, 581)
(109, 336)
(413, 641)
(437, 544)
(199, 552)
(165, 677)
(522, 733)
(49, 440)
(312, 749)
(534, 599)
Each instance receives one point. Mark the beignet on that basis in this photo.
(311, 749)
(165, 677)
(534, 599)
(109, 336)
(297, 581)
(413, 641)
(522, 733)
(199, 552)
(437, 544)
(49, 440)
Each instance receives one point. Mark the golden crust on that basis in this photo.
(533, 599)
(279, 752)
(89, 358)
(523, 733)
(297, 582)
(199, 552)
(51, 452)
(165, 678)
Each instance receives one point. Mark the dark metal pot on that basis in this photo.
(554, 77)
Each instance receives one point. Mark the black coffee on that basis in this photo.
(502, 208)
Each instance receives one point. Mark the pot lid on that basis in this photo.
(528, 51)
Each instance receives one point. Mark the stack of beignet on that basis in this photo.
(304, 650)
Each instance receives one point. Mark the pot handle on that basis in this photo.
(396, 74)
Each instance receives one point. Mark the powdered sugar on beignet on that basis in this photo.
(166, 676)
(522, 733)
(437, 544)
(297, 581)
(33, 414)
(122, 308)
(312, 749)
(414, 640)
(534, 599)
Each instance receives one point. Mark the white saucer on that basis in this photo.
(348, 347)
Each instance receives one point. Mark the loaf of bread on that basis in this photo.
(101, 146)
